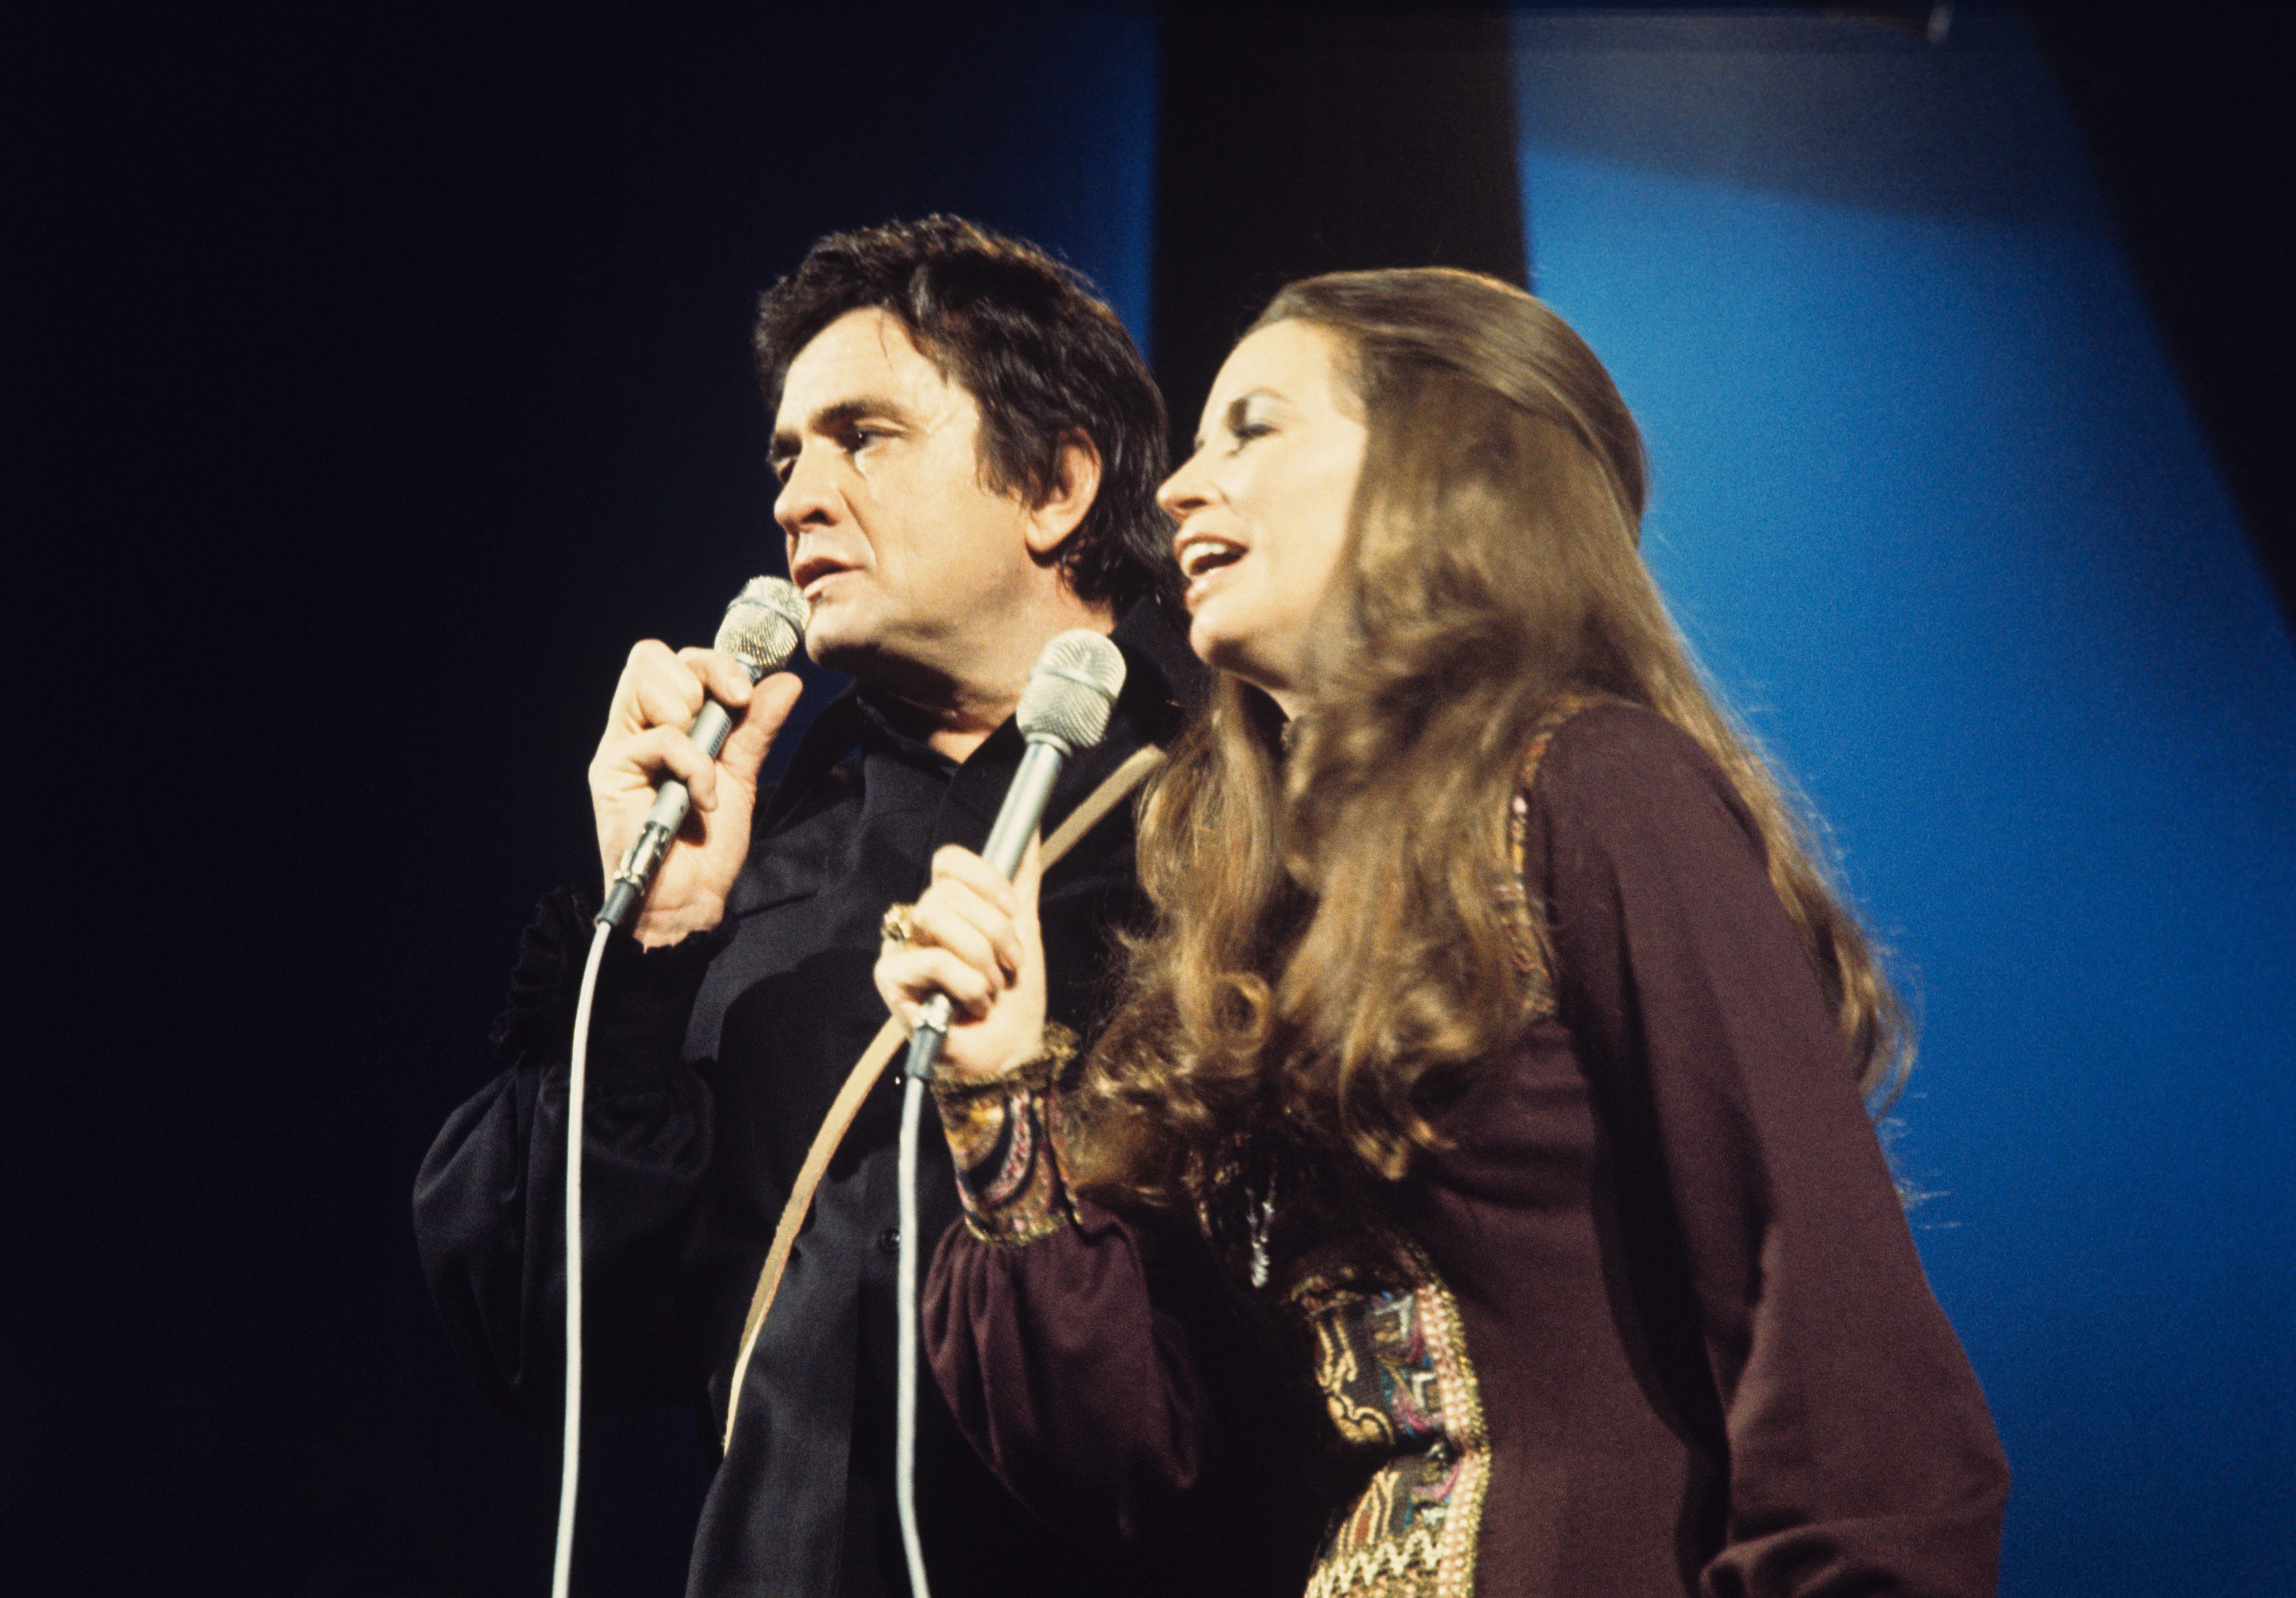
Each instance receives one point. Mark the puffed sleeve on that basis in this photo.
(1861, 1457)
(489, 1203)
(1072, 1381)
(1078, 1390)
(1100, 1368)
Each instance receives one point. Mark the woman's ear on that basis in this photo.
(1076, 484)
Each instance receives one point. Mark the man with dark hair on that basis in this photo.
(968, 445)
(1045, 361)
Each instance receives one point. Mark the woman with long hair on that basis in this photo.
(1498, 1034)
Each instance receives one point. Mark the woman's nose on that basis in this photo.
(1184, 490)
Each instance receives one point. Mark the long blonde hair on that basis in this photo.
(1329, 956)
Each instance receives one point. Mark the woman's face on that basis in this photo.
(1262, 505)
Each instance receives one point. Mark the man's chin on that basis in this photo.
(857, 652)
(835, 638)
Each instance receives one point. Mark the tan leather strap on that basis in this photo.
(1113, 791)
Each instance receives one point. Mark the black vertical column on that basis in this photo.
(2193, 134)
(1292, 142)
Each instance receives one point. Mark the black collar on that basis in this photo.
(1164, 684)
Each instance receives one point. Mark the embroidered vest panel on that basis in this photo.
(1399, 1390)
(1393, 1368)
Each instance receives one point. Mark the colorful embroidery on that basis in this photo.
(1010, 1176)
(1400, 1391)
(1391, 1360)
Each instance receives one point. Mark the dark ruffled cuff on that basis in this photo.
(1010, 1176)
(645, 996)
(547, 978)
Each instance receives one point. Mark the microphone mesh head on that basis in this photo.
(764, 625)
(1071, 691)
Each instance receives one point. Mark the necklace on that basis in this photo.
(1263, 1215)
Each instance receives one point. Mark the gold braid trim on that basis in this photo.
(1379, 1566)
(1515, 901)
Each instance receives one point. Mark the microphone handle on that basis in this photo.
(1023, 807)
(659, 831)
(1008, 841)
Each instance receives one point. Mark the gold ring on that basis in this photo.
(898, 925)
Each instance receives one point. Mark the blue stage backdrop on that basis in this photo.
(1932, 509)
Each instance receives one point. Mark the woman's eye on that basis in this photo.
(1245, 432)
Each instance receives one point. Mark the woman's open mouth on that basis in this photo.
(1206, 554)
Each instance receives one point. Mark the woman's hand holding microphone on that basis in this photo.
(974, 937)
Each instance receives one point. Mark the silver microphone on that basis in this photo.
(1063, 710)
(762, 629)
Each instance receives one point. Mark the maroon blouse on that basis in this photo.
(1707, 1359)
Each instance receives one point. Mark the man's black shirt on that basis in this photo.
(712, 1064)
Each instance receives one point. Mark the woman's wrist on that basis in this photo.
(1055, 1047)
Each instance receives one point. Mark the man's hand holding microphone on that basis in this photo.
(657, 746)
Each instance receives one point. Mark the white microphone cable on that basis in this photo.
(762, 628)
(1064, 710)
(570, 1470)
(904, 1340)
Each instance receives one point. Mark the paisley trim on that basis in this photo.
(1010, 1176)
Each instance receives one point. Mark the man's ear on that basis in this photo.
(1076, 484)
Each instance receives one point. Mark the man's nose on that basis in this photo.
(807, 496)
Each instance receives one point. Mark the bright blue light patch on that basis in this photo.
(1930, 506)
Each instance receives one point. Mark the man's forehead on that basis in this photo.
(864, 354)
